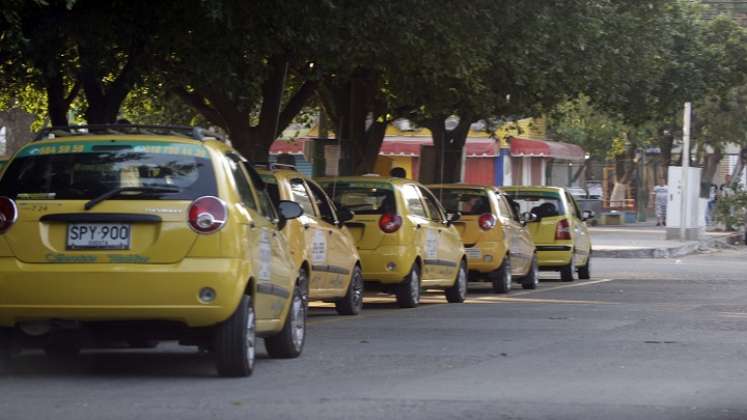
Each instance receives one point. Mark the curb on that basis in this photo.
(672, 252)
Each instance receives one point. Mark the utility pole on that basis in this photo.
(685, 169)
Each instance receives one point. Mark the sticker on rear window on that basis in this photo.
(166, 148)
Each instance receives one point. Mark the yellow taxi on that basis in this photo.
(496, 240)
(321, 241)
(136, 234)
(560, 233)
(405, 239)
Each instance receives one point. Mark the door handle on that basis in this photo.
(417, 226)
(329, 232)
(306, 227)
(252, 225)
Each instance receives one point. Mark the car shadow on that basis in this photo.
(123, 364)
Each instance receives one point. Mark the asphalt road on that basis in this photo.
(643, 339)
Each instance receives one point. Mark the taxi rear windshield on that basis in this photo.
(543, 204)
(84, 170)
(363, 198)
(467, 202)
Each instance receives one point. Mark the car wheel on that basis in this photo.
(288, 343)
(62, 350)
(567, 272)
(234, 341)
(141, 343)
(6, 350)
(352, 302)
(408, 291)
(584, 273)
(458, 292)
(531, 280)
(502, 278)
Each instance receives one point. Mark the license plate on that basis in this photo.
(473, 253)
(98, 236)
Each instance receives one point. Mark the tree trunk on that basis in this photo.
(17, 125)
(710, 167)
(360, 118)
(103, 100)
(449, 148)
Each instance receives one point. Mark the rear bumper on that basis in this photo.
(121, 292)
(553, 256)
(374, 263)
(484, 257)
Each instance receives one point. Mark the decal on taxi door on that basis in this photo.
(319, 248)
(265, 257)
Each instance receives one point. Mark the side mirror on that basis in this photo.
(344, 214)
(587, 215)
(529, 217)
(452, 217)
(288, 210)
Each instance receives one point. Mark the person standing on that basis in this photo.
(661, 192)
(712, 200)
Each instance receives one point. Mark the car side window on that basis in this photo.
(242, 184)
(265, 202)
(513, 206)
(573, 206)
(412, 200)
(504, 208)
(434, 209)
(300, 195)
(326, 209)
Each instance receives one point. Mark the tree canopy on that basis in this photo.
(250, 67)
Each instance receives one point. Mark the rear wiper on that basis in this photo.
(117, 191)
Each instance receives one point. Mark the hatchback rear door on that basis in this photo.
(147, 187)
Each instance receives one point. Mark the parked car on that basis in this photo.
(498, 245)
(405, 239)
(326, 247)
(560, 234)
(145, 233)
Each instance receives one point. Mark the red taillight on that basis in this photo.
(8, 214)
(390, 223)
(486, 221)
(207, 214)
(563, 231)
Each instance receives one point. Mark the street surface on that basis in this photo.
(643, 339)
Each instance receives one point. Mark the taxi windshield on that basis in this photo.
(85, 170)
(363, 198)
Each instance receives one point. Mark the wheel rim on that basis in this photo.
(535, 272)
(298, 321)
(250, 337)
(357, 289)
(415, 286)
(462, 281)
(507, 274)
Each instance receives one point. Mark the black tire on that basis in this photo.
(408, 291)
(502, 278)
(6, 350)
(531, 280)
(62, 350)
(584, 273)
(141, 343)
(458, 292)
(288, 343)
(235, 341)
(567, 272)
(352, 302)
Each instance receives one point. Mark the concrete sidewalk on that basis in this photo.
(646, 240)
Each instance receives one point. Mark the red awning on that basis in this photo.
(398, 146)
(291, 147)
(545, 148)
